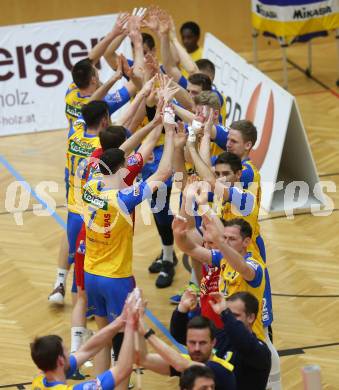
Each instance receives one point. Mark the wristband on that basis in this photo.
(149, 333)
(196, 124)
(191, 134)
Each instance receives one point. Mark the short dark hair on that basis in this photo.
(205, 64)
(45, 352)
(194, 27)
(112, 137)
(201, 79)
(250, 301)
(200, 322)
(188, 377)
(247, 130)
(82, 72)
(148, 40)
(111, 160)
(232, 159)
(94, 112)
(244, 226)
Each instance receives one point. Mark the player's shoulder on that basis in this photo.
(71, 90)
(252, 261)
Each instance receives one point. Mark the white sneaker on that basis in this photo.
(58, 295)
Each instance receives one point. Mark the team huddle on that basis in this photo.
(171, 133)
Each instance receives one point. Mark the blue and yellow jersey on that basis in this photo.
(223, 362)
(109, 227)
(231, 282)
(250, 179)
(104, 381)
(242, 204)
(74, 101)
(222, 100)
(80, 147)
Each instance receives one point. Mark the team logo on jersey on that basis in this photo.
(80, 148)
(132, 160)
(114, 97)
(73, 111)
(95, 200)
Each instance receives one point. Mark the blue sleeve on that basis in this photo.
(183, 82)
(103, 381)
(216, 257)
(213, 160)
(117, 99)
(247, 176)
(72, 366)
(258, 273)
(244, 201)
(128, 133)
(130, 197)
(221, 137)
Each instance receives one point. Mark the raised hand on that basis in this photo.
(179, 225)
(120, 26)
(188, 302)
(119, 72)
(148, 87)
(208, 123)
(217, 302)
(213, 226)
(151, 19)
(167, 88)
(152, 64)
(136, 18)
(180, 136)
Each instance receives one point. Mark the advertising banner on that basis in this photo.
(35, 69)
(252, 95)
(290, 18)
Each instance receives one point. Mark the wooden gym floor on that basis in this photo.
(302, 252)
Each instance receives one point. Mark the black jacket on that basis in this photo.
(250, 356)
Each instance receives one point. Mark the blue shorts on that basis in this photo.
(107, 295)
(74, 224)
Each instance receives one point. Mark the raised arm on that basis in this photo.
(168, 61)
(204, 171)
(135, 140)
(99, 49)
(164, 170)
(137, 101)
(184, 239)
(214, 226)
(99, 340)
(124, 365)
(185, 115)
(185, 59)
(151, 140)
(103, 90)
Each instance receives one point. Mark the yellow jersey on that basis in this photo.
(109, 227)
(80, 147)
(242, 204)
(250, 178)
(231, 282)
(104, 381)
(74, 101)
